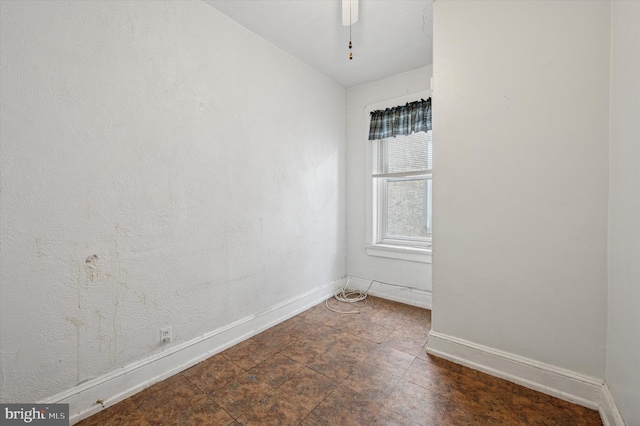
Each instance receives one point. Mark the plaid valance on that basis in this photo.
(401, 120)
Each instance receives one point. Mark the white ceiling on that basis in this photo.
(391, 36)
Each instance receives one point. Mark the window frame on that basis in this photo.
(402, 249)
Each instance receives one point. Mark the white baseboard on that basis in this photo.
(608, 409)
(129, 380)
(551, 380)
(397, 293)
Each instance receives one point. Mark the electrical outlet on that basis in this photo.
(165, 334)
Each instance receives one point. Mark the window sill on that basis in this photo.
(412, 254)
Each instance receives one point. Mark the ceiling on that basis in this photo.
(391, 36)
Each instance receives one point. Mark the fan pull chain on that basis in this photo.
(350, 23)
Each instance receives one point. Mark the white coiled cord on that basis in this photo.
(352, 296)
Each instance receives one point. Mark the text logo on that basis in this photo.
(34, 414)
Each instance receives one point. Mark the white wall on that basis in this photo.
(359, 263)
(521, 92)
(201, 165)
(623, 320)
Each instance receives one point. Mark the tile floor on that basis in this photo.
(324, 368)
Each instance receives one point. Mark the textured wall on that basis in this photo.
(160, 166)
(623, 321)
(521, 94)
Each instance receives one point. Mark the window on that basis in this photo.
(398, 190)
(401, 178)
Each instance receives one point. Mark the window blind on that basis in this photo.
(402, 156)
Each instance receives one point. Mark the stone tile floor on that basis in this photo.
(325, 368)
